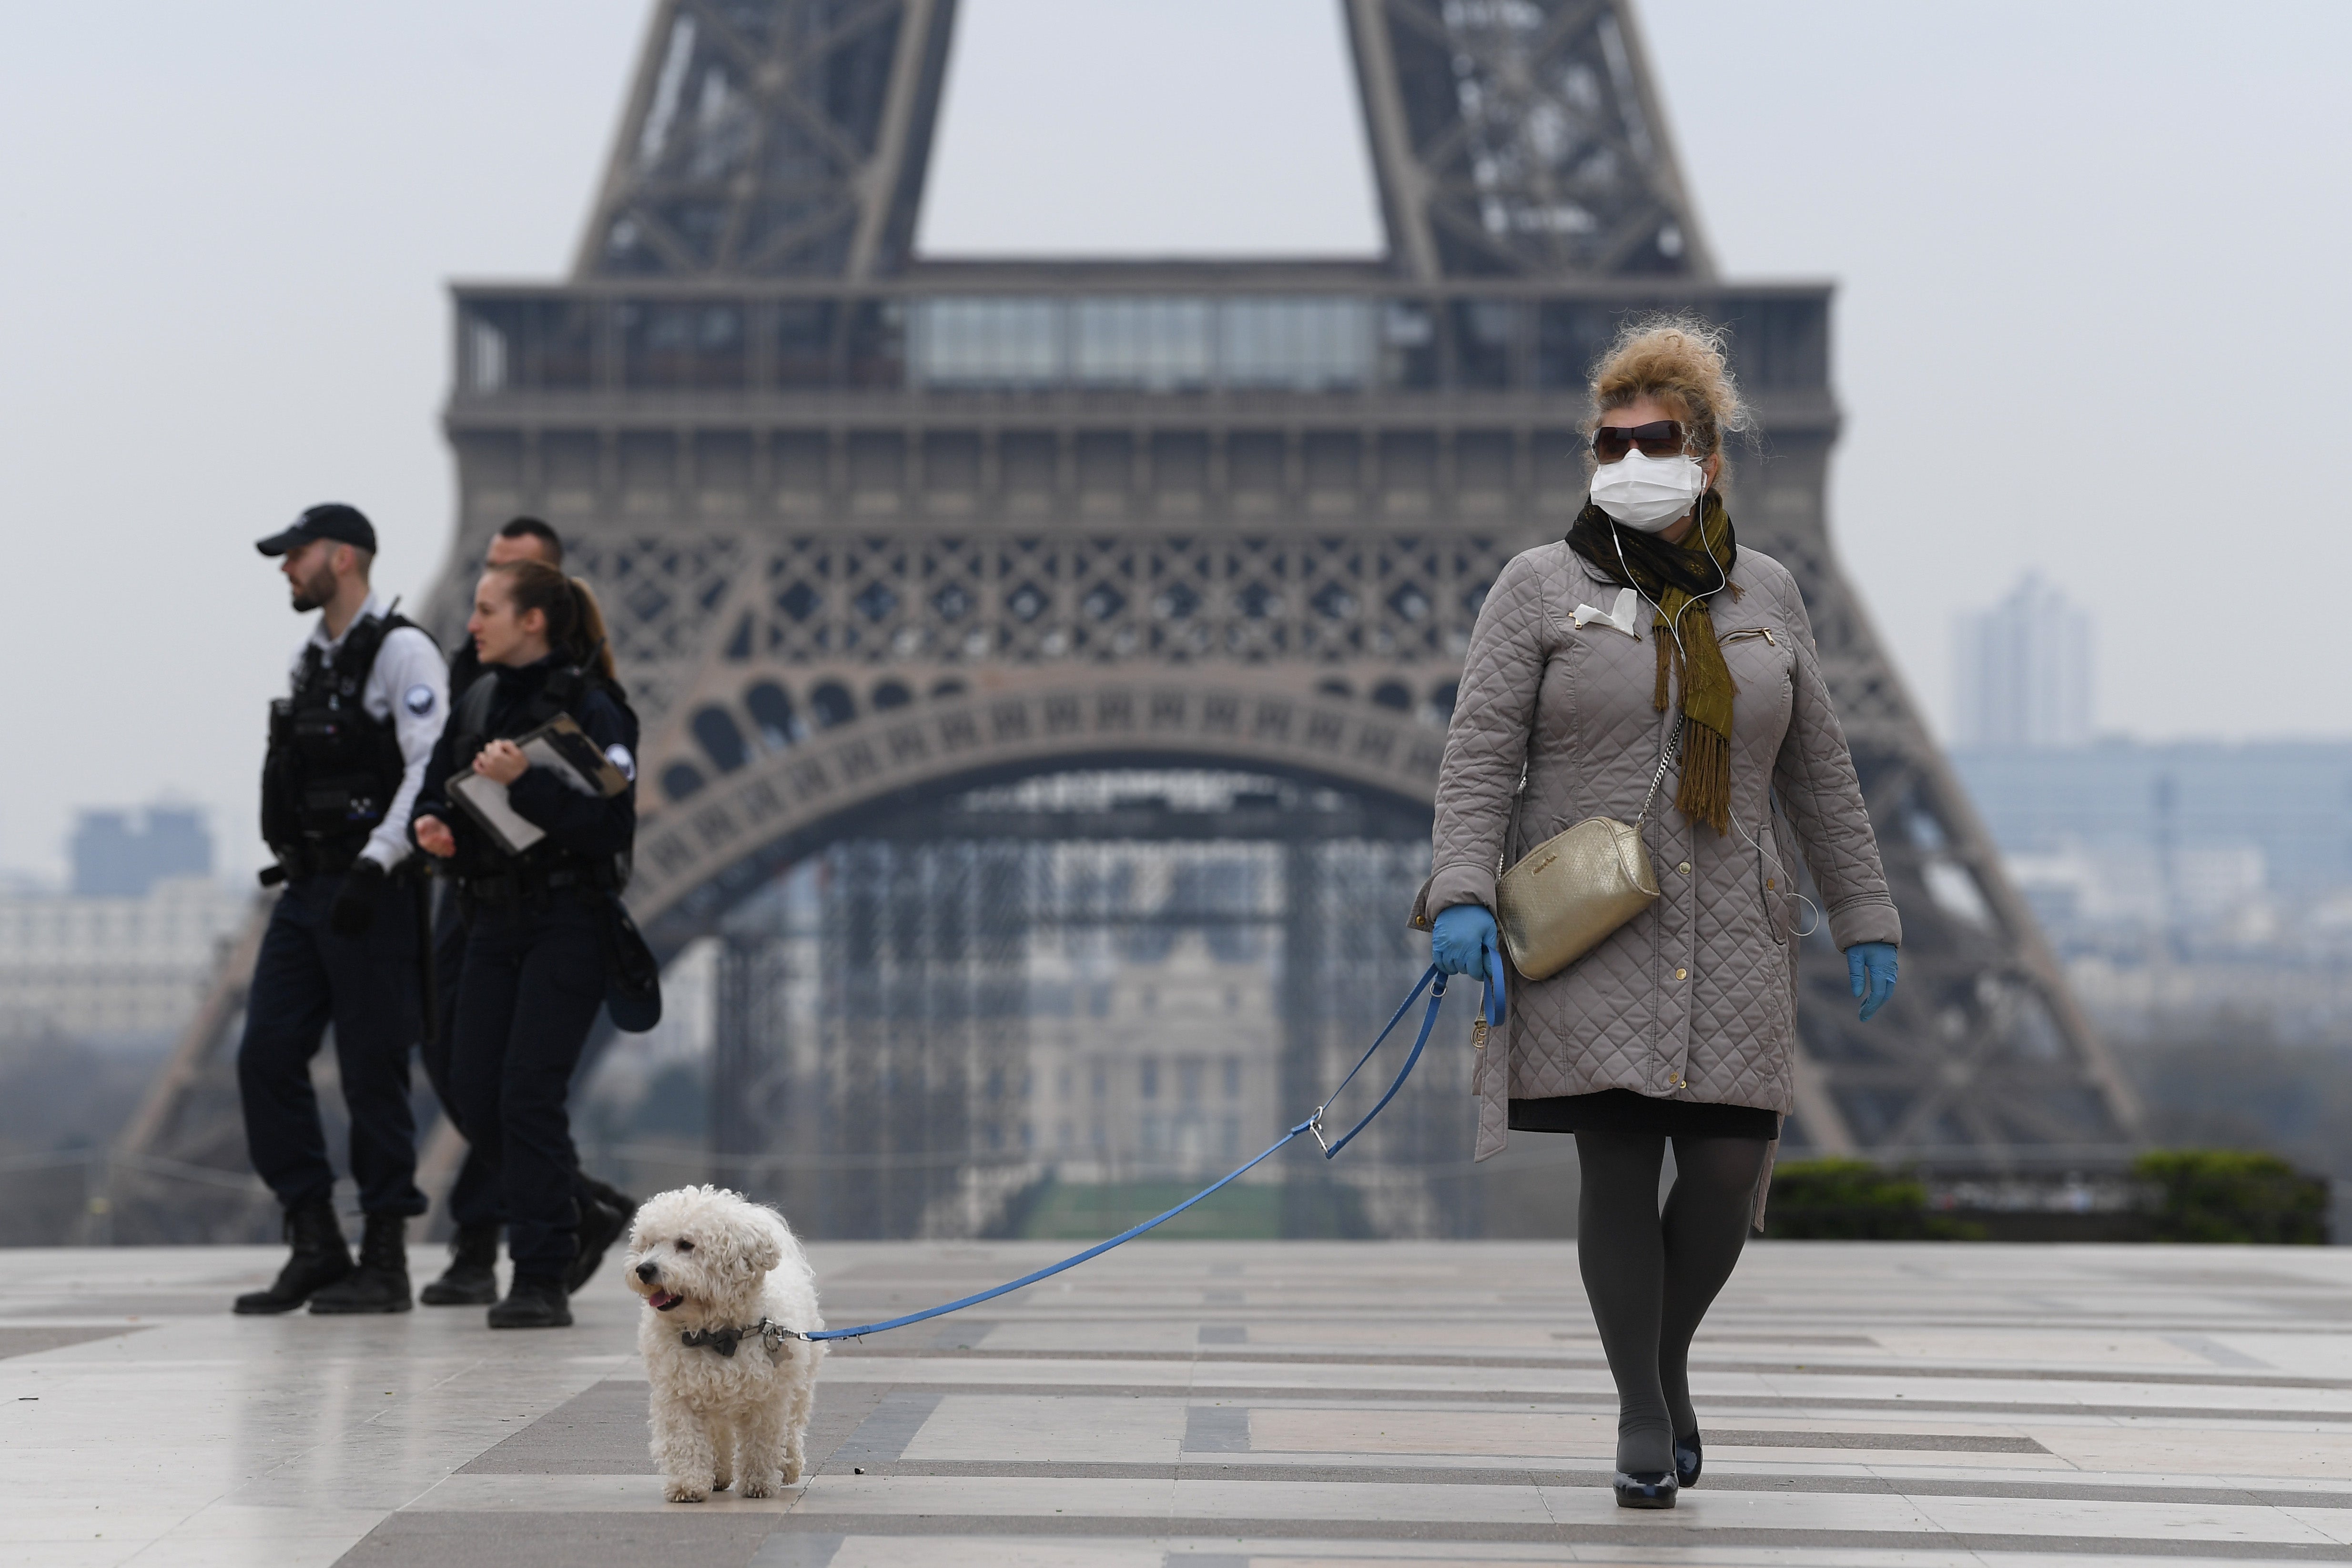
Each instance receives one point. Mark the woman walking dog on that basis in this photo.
(1649, 670)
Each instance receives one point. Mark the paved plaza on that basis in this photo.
(1207, 1405)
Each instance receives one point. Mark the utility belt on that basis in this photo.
(538, 885)
(311, 857)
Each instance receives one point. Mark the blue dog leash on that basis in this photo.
(1432, 981)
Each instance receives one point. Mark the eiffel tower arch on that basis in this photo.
(875, 531)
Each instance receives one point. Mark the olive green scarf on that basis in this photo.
(1673, 578)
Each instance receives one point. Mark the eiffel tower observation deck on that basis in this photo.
(929, 574)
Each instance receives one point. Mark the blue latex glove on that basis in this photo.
(1463, 941)
(1870, 966)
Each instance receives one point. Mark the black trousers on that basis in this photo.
(534, 976)
(474, 1199)
(366, 985)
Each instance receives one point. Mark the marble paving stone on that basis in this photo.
(30, 1339)
(979, 1427)
(2067, 1351)
(603, 1430)
(979, 1497)
(1218, 1405)
(1213, 1501)
(807, 1549)
(1727, 1455)
(892, 1422)
(1405, 1334)
(1062, 1337)
(67, 1554)
(240, 1522)
(516, 1539)
(582, 1494)
(2059, 1519)
(1502, 1433)
(2179, 1450)
(2335, 1524)
(1216, 1428)
(872, 1552)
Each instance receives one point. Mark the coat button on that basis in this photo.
(1683, 868)
(1682, 973)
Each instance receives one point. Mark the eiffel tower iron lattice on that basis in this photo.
(874, 530)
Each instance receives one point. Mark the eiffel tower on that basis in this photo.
(875, 531)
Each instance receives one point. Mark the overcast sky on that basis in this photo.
(2092, 315)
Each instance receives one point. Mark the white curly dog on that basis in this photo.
(721, 1275)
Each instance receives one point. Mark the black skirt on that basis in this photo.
(1623, 1111)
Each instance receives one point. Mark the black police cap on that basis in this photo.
(327, 520)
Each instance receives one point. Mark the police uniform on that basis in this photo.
(477, 1210)
(538, 926)
(348, 750)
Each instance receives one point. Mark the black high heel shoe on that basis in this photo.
(1644, 1489)
(1687, 1461)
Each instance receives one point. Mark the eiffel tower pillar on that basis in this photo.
(1311, 1198)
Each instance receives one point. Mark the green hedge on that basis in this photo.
(2230, 1194)
(1855, 1200)
(2203, 1195)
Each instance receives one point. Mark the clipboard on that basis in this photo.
(558, 745)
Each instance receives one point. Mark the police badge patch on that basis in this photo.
(419, 700)
(618, 755)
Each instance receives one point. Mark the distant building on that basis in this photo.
(2287, 805)
(1157, 1067)
(123, 971)
(2187, 879)
(111, 859)
(2022, 671)
(2174, 836)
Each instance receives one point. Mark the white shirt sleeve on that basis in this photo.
(411, 683)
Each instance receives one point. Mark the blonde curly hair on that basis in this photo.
(1679, 360)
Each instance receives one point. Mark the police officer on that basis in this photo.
(540, 921)
(347, 748)
(604, 1211)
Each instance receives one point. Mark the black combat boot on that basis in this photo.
(471, 1279)
(320, 1258)
(380, 1284)
(533, 1302)
(604, 1216)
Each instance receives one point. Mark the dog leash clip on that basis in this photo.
(1315, 1125)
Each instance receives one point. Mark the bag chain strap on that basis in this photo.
(1665, 760)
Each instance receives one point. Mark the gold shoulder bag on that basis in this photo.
(1569, 892)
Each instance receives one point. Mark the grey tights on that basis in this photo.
(1651, 1277)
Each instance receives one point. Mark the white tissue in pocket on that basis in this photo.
(1621, 615)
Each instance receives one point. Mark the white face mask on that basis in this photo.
(1648, 493)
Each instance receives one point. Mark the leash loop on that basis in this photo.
(1433, 981)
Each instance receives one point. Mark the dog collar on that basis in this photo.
(724, 1340)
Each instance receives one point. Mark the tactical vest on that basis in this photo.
(483, 873)
(333, 770)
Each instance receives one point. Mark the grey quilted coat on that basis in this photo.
(1695, 998)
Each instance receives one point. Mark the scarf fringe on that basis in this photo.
(1704, 795)
(1669, 577)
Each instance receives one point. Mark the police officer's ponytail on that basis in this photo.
(575, 622)
(592, 640)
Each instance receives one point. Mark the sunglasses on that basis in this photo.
(1659, 438)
